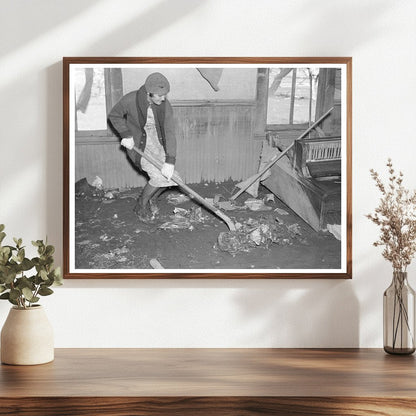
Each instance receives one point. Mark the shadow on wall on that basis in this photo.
(375, 277)
(45, 16)
(153, 21)
(282, 313)
(301, 313)
(4, 311)
(40, 16)
(348, 24)
(131, 33)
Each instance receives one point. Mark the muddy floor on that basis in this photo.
(184, 235)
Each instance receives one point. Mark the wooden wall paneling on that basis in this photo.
(215, 144)
(109, 162)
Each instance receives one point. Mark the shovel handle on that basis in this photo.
(261, 173)
(176, 178)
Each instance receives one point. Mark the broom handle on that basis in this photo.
(188, 190)
(274, 159)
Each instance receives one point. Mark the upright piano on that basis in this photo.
(308, 180)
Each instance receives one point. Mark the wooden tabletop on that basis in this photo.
(237, 377)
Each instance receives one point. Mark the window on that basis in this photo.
(292, 94)
(96, 90)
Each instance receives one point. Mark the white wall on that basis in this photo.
(380, 35)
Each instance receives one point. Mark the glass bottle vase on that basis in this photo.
(399, 316)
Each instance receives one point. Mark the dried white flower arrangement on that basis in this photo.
(396, 216)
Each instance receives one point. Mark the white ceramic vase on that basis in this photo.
(27, 337)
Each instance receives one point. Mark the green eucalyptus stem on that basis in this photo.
(22, 298)
(35, 293)
(17, 285)
(21, 302)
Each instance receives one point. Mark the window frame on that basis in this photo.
(273, 127)
(113, 83)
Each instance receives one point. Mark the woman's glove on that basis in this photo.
(167, 170)
(128, 142)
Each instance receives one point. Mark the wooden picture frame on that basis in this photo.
(234, 114)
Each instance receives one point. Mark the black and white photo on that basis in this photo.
(211, 167)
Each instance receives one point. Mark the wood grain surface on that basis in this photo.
(212, 382)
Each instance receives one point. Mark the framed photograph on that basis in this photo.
(207, 167)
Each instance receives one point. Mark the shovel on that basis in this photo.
(188, 190)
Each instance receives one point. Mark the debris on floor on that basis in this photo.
(335, 230)
(262, 232)
(294, 229)
(183, 219)
(105, 237)
(109, 195)
(84, 189)
(111, 258)
(127, 193)
(281, 211)
(97, 183)
(228, 206)
(269, 198)
(108, 234)
(224, 204)
(176, 198)
(155, 264)
(141, 229)
(254, 204)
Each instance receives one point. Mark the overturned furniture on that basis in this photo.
(308, 180)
